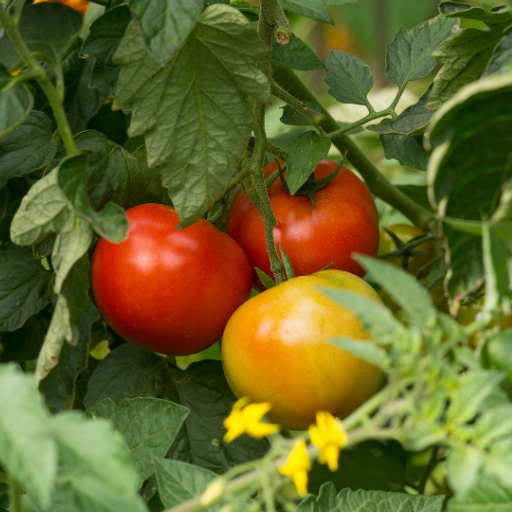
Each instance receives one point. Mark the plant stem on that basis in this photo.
(15, 496)
(430, 467)
(376, 181)
(17, 12)
(356, 124)
(46, 85)
(276, 151)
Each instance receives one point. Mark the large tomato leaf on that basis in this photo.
(130, 371)
(194, 111)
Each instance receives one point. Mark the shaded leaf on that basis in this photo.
(491, 18)
(291, 116)
(16, 102)
(406, 149)
(314, 9)
(295, 55)
(501, 60)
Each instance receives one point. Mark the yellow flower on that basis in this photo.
(330, 436)
(297, 466)
(245, 419)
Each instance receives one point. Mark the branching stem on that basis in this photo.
(356, 124)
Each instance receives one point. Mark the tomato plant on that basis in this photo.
(276, 348)
(343, 221)
(166, 290)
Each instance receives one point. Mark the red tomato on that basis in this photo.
(344, 221)
(169, 291)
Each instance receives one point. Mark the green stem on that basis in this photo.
(277, 14)
(15, 496)
(276, 151)
(17, 12)
(356, 124)
(46, 85)
(430, 467)
(376, 181)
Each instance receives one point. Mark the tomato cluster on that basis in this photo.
(179, 291)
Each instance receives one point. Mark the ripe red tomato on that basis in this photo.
(344, 221)
(169, 291)
(276, 349)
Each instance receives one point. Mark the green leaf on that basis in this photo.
(27, 450)
(465, 56)
(95, 469)
(494, 424)
(25, 287)
(314, 9)
(491, 18)
(305, 153)
(291, 116)
(365, 350)
(111, 223)
(418, 193)
(501, 60)
(349, 78)
(295, 55)
(326, 500)
(165, 24)
(340, 2)
(149, 427)
(404, 289)
(102, 42)
(16, 102)
(37, 29)
(130, 371)
(409, 56)
(406, 149)
(266, 280)
(27, 148)
(499, 350)
(412, 121)
(203, 91)
(463, 465)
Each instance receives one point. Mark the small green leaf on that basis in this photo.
(494, 424)
(266, 281)
(404, 289)
(314, 9)
(326, 500)
(16, 102)
(349, 78)
(501, 60)
(165, 24)
(291, 116)
(365, 350)
(499, 349)
(409, 56)
(295, 55)
(25, 287)
(305, 153)
(406, 149)
(463, 465)
(111, 222)
(290, 274)
(493, 17)
(412, 121)
(102, 42)
(149, 427)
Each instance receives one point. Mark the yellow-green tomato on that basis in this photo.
(405, 233)
(276, 349)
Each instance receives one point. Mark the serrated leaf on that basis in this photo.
(408, 150)
(16, 102)
(130, 371)
(404, 289)
(412, 121)
(37, 29)
(149, 427)
(365, 350)
(501, 60)
(295, 55)
(165, 24)
(409, 56)
(326, 500)
(349, 78)
(27, 148)
(491, 18)
(111, 222)
(102, 42)
(305, 153)
(463, 465)
(291, 116)
(209, 78)
(27, 450)
(314, 9)
(25, 287)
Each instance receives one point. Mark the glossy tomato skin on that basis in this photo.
(275, 349)
(344, 221)
(165, 290)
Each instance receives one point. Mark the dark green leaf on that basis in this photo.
(418, 193)
(291, 116)
(16, 101)
(165, 24)
(105, 35)
(314, 9)
(409, 56)
(130, 371)
(149, 427)
(250, 11)
(111, 222)
(38, 30)
(304, 154)
(349, 78)
(5, 496)
(412, 121)
(112, 123)
(209, 78)
(325, 501)
(406, 149)
(27, 148)
(501, 60)
(491, 18)
(295, 55)
(25, 287)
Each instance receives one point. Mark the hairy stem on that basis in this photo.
(376, 181)
(46, 85)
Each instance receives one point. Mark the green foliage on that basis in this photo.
(314, 9)
(15, 102)
(408, 150)
(295, 55)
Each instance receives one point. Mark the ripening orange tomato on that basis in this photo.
(77, 5)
